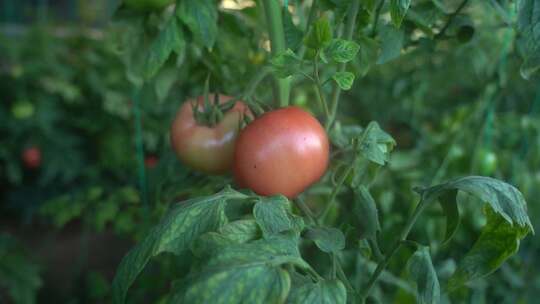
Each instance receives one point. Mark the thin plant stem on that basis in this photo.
(397, 244)
(311, 17)
(349, 31)
(277, 39)
(376, 19)
(449, 21)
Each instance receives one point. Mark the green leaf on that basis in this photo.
(504, 198)
(164, 81)
(340, 50)
(19, 275)
(170, 39)
(529, 30)
(286, 63)
(174, 234)
(376, 144)
(320, 34)
(369, 51)
(391, 43)
(507, 224)
(241, 231)
(366, 212)
(323, 292)
(423, 273)
(251, 272)
(398, 10)
(448, 203)
(498, 241)
(293, 35)
(200, 16)
(271, 213)
(344, 80)
(327, 239)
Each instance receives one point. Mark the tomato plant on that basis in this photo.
(311, 231)
(282, 152)
(256, 245)
(348, 184)
(205, 145)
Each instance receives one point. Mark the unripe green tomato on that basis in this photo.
(147, 5)
(22, 109)
(487, 162)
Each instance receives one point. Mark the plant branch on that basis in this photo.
(302, 205)
(397, 244)
(450, 18)
(349, 31)
(277, 40)
(335, 192)
(318, 85)
(311, 17)
(252, 85)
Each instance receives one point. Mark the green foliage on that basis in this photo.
(398, 10)
(322, 292)
(319, 35)
(528, 23)
(19, 275)
(443, 80)
(200, 16)
(421, 270)
(175, 234)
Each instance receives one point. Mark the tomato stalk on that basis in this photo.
(395, 247)
(349, 31)
(311, 17)
(376, 19)
(345, 175)
(277, 41)
(319, 85)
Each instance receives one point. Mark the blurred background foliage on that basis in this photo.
(457, 106)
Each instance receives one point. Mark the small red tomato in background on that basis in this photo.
(205, 148)
(151, 161)
(281, 152)
(32, 157)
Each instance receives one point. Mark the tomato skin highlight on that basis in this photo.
(281, 152)
(32, 157)
(204, 148)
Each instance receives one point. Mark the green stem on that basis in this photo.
(277, 40)
(311, 17)
(302, 205)
(376, 19)
(402, 237)
(252, 85)
(335, 192)
(341, 275)
(449, 21)
(349, 31)
(318, 86)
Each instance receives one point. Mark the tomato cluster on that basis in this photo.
(281, 152)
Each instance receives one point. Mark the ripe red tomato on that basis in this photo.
(281, 152)
(32, 157)
(151, 161)
(205, 148)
